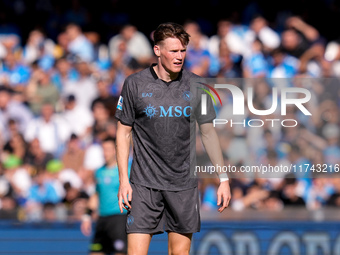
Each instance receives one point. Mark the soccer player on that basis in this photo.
(110, 236)
(155, 110)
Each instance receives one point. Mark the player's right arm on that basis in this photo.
(124, 133)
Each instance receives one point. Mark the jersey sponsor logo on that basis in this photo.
(172, 111)
(120, 103)
(146, 94)
(175, 111)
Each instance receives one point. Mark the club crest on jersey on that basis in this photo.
(120, 103)
(187, 96)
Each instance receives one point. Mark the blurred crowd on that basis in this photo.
(58, 99)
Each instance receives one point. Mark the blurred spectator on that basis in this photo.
(197, 58)
(282, 65)
(227, 67)
(290, 196)
(84, 88)
(13, 73)
(299, 36)
(8, 208)
(260, 29)
(193, 28)
(101, 51)
(49, 212)
(215, 41)
(63, 73)
(136, 44)
(73, 157)
(16, 146)
(40, 193)
(101, 116)
(40, 91)
(61, 48)
(334, 199)
(110, 101)
(79, 118)
(72, 195)
(18, 176)
(50, 129)
(10, 109)
(256, 64)
(331, 153)
(36, 158)
(39, 49)
(78, 44)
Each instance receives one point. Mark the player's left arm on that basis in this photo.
(213, 148)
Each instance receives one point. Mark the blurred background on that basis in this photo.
(62, 67)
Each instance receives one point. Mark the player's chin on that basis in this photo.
(176, 68)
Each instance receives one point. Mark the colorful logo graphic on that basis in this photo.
(150, 111)
(208, 92)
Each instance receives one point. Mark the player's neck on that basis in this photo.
(164, 74)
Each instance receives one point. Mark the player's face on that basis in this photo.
(172, 54)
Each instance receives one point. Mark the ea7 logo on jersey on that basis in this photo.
(146, 94)
(120, 103)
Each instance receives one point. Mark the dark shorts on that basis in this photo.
(110, 235)
(153, 211)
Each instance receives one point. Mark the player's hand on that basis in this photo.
(124, 196)
(86, 227)
(223, 195)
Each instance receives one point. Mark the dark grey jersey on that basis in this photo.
(162, 116)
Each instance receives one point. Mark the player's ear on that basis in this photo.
(157, 50)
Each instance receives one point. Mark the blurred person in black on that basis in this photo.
(289, 193)
(299, 37)
(16, 146)
(72, 195)
(102, 118)
(334, 199)
(109, 236)
(103, 85)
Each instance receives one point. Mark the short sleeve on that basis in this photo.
(125, 112)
